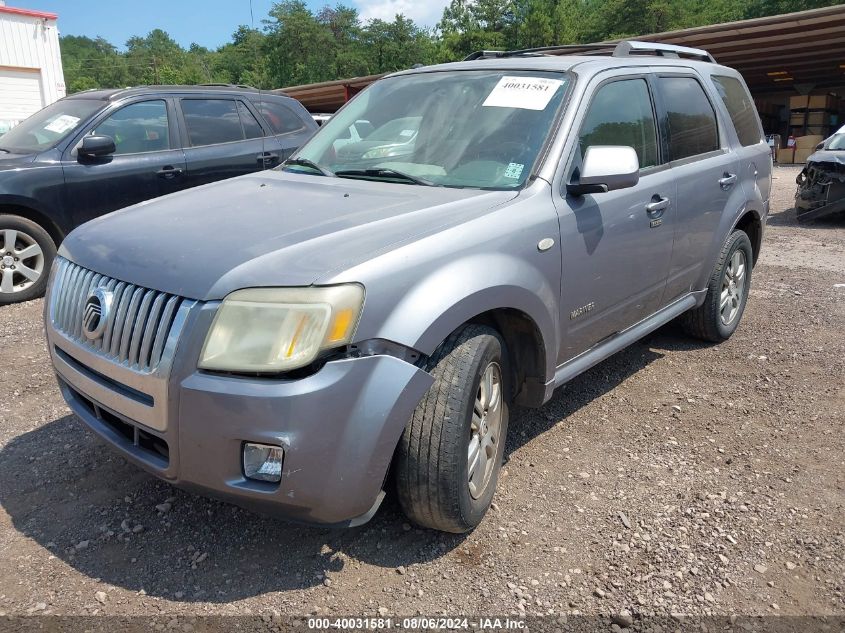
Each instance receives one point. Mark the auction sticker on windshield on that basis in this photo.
(62, 123)
(528, 93)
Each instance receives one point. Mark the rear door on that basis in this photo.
(705, 167)
(616, 246)
(148, 161)
(223, 139)
(754, 153)
(287, 128)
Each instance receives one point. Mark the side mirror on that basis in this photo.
(606, 168)
(820, 146)
(95, 146)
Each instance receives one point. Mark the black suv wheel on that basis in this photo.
(26, 253)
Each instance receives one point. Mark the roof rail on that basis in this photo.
(626, 48)
(629, 48)
(537, 52)
(220, 85)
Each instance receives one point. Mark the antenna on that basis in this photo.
(260, 92)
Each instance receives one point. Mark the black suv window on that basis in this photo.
(691, 121)
(741, 108)
(282, 120)
(214, 121)
(621, 114)
(138, 127)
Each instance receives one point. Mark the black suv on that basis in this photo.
(101, 150)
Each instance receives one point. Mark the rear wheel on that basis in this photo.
(727, 293)
(26, 254)
(450, 454)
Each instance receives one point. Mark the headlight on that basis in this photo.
(279, 329)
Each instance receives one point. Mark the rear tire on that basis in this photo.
(449, 457)
(717, 318)
(26, 254)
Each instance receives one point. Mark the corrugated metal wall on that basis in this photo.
(28, 45)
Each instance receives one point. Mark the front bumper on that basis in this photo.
(338, 427)
(821, 191)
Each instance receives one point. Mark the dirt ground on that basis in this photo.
(676, 477)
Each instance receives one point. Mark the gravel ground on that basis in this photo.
(676, 477)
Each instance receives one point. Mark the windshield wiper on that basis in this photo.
(378, 172)
(305, 162)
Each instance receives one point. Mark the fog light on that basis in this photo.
(263, 462)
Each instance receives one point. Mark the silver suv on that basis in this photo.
(300, 340)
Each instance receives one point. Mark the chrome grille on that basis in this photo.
(140, 324)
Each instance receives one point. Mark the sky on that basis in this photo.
(209, 23)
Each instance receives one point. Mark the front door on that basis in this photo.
(147, 162)
(615, 246)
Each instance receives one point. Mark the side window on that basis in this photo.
(741, 108)
(282, 119)
(212, 121)
(138, 127)
(621, 114)
(691, 121)
(251, 127)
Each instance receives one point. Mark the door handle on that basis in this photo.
(727, 181)
(657, 206)
(268, 157)
(169, 171)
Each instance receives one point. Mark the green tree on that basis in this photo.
(297, 45)
(155, 59)
(397, 45)
(92, 63)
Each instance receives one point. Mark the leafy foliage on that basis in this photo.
(297, 46)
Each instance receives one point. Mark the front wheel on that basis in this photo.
(449, 457)
(26, 254)
(727, 293)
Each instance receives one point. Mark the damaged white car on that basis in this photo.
(821, 184)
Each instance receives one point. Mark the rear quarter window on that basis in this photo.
(741, 109)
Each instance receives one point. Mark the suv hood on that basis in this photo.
(268, 229)
(827, 156)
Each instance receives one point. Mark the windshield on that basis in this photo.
(47, 127)
(458, 129)
(837, 142)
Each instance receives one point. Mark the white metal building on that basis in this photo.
(31, 74)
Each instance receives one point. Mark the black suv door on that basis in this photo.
(290, 130)
(148, 161)
(223, 139)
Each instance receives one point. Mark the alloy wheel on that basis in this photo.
(733, 287)
(21, 261)
(485, 431)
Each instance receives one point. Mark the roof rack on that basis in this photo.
(625, 48)
(220, 85)
(628, 48)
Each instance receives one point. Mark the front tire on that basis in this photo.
(450, 455)
(717, 318)
(26, 253)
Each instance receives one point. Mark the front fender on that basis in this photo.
(464, 288)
